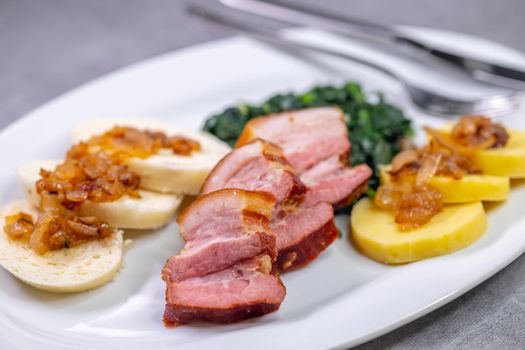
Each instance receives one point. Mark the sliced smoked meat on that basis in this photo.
(333, 182)
(315, 142)
(265, 208)
(302, 231)
(307, 136)
(302, 234)
(256, 166)
(221, 228)
(244, 290)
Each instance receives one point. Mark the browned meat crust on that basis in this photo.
(175, 315)
(352, 196)
(308, 249)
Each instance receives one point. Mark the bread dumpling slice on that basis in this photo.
(79, 268)
(152, 210)
(165, 171)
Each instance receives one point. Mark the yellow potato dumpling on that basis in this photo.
(376, 234)
(505, 161)
(470, 188)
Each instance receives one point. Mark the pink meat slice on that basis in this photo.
(220, 229)
(302, 231)
(216, 277)
(244, 290)
(315, 142)
(302, 234)
(257, 166)
(307, 136)
(334, 182)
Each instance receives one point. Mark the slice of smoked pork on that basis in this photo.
(244, 290)
(256, 166)
(302, 231)
(221, 228)
(302, 234)
(307, 136)
(315, 142)
(334, 182)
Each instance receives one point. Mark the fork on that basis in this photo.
(478, 69)
(428, 101)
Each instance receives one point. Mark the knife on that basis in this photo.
(354, 27)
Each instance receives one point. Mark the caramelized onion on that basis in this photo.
(387, 197)
(46, 224)
(412, 205)
(77, 195)
(403, 159)
(125, 142)
(409, 195)
(52, 232)
(82, 229)
(418, 207)
(440, 157)
(93, 170)
(479, 132)
(428, 168)
(446, 142)
(19, 226)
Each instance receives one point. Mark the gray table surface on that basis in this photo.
(48, 47)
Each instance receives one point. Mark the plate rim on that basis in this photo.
(18, 125)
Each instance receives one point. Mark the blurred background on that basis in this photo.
(48, 47)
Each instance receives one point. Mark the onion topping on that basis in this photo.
(94, 170)
(409, 195)
(479, 132)
(19, 226)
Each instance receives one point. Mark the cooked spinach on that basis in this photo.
(375, 129)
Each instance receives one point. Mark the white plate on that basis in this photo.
(341, 299)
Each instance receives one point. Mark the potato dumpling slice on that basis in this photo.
(470, 188)
(505, 161)
(376, 234)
